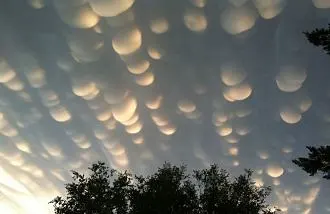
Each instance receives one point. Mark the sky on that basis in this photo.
(136, 83)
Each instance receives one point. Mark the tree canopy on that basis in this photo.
(318, 160)
(320, 37)
(170, 190)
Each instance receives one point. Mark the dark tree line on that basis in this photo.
(318, 160)
(170, 190)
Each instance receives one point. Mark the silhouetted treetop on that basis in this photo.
(320, 37)
(318, 160)
(170, 190)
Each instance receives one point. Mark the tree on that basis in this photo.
(97, 193)
(171, 190)
(220, 195)
(320, 37)
(318, 161)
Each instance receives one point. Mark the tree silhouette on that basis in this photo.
(171, 190)
(96, 193)
(318, 161)
(320, 37)
(220, 195)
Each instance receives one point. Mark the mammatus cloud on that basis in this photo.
(137, 83)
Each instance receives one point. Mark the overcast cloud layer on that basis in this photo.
(139, 82)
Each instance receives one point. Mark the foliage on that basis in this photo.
(318, 161)
(320, 37)
(170, 190)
